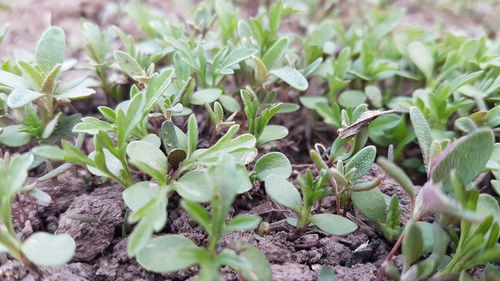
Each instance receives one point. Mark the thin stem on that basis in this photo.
(390, 255)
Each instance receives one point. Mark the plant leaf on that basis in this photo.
(167, 253)
(463, 156)
(422, 131)
(273, 163)
(206, 96)
(21, 97)
(46, 249)
(50, 49)
(362, 161)
(334, 224)
(292, 77)
(283, 192)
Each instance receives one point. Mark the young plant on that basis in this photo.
(41, 248)
(36, 93)
(451, 170)
(170, 253)
(272, 168)
(258, 119)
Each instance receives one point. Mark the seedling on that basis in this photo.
(313, 189)
(41, 248)
(170, 253)
(38, 93)
(453, 167)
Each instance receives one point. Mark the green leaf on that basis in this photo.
(193, 186)
(12, 136)
(334, 224)
(139, 194)
(275, 52)
(236, 56)
(146, 155)
(50, 49)
(412, 244)
(49, 152)
(422, 57)
(197, 212)
(229, 103)
(351, 98)
(258, 266)
(374, 95)
(192, 135)
(172, 136)
(371, 204)
(398, 175)
(128, 64)
(206, 96)
(362, 161)
(326, 274)
(13, 81)
(92, 126)
(243, 223)
(463, 156)
(21, 97)
(167, 253)
(292, 77)
(422, 131)
(271, 133)
(273, 163)
(283, 192)
(46, 249)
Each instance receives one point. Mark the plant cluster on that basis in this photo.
(243, 75)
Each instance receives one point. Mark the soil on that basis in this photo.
(92, 211)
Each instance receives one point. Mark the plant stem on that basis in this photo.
(390, 255)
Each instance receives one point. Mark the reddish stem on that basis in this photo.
(390, 255)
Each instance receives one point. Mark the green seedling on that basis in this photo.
(258, 119)
(170, 253)
(274, 169)
(97, 48)
(451, 168)
(35, 93)
(40, 248)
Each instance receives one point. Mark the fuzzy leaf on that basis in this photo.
(243, 223)
(205, 96)
(50, 49)
(362, 161)
(463, 156)
(128, 64)
(46, 249)
(422, 131)
(422, 57)
(371, 204)
(283, 192)
(271, 133)
(292, 77)
(334, 224)
(412, 244)
(92, 126)
(21, 97)
(147, 155)
(273, 163)
(167, 253)
(351, 98)
(193, 186)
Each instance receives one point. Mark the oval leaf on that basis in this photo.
(167, 254)
(46, 249)
(205, 96)
(336, 225)
(273, 163)
(283, 192)
(292, 77)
